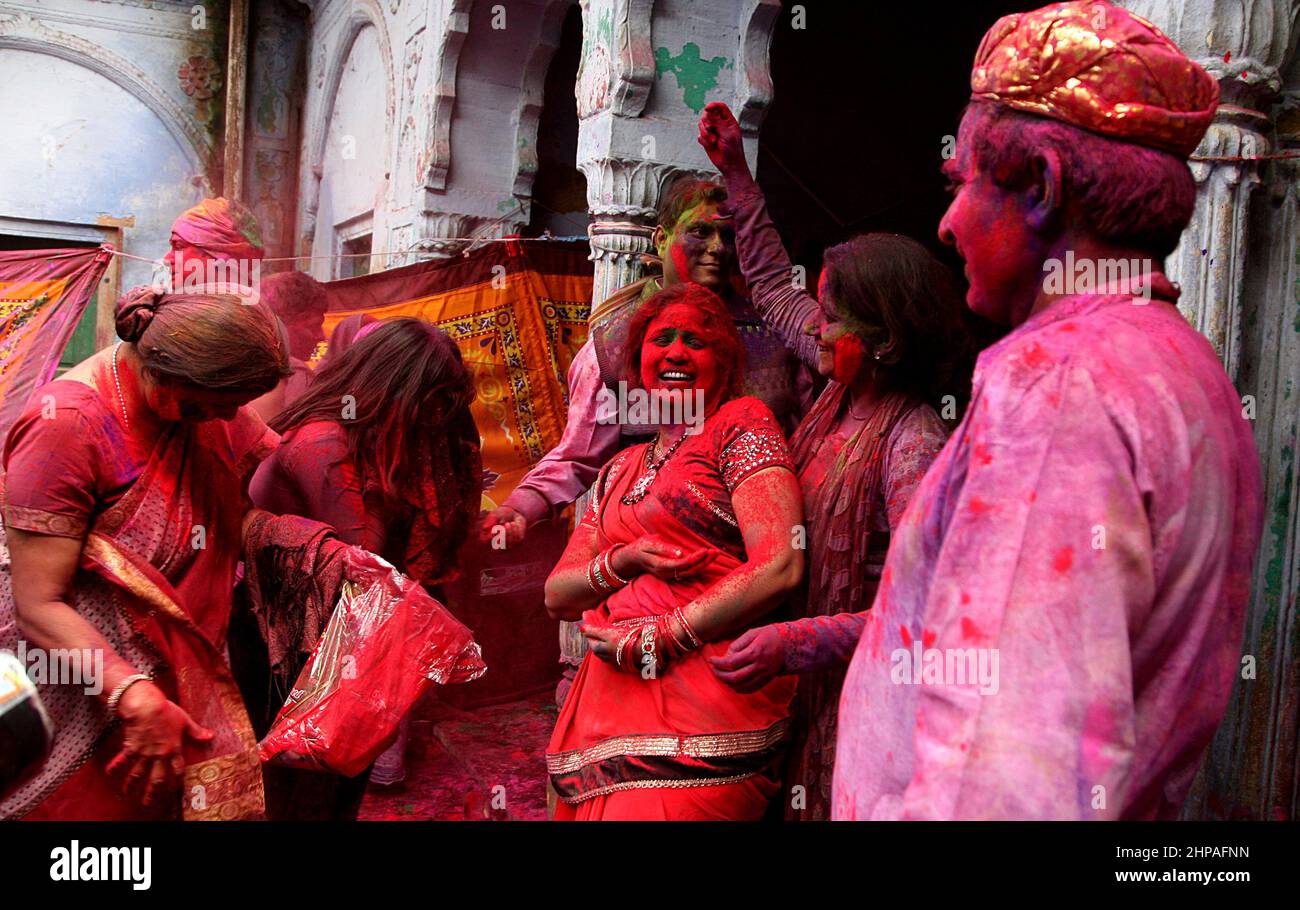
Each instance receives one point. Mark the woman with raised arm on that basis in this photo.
(124, 507)
(886, 329)
(689, 540)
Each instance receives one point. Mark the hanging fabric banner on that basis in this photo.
(518, 312)
(43, 295)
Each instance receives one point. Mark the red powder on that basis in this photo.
(1063, 559)
(1036, 357)
(927, 638)
(970, 630)
(982, 454)
(907, 636)
(977, 505)
(965, 598)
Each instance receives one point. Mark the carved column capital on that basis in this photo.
(447, 234)
(1245, 45)
(623, 198)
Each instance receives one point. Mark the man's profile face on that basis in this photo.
(701, 248)
(987, 225)
(305, 331)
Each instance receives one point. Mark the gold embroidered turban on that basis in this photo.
(1097, 66)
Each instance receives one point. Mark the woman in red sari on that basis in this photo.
(123, 513)
(688, 542)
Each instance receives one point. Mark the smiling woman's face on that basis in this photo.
(677, 354)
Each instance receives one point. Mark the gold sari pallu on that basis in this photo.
(228, 785)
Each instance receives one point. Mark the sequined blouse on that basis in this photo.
(697, 481)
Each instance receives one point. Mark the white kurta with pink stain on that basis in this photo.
(1089, 530)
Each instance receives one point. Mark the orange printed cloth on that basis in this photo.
(43, 295)
(518, 312)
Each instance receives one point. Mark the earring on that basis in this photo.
(877, 354)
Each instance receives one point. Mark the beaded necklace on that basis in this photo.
(642, 485)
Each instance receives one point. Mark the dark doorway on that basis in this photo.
(864, 95)
(559, 200)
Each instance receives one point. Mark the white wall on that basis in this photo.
(353, 166)
(78, 146)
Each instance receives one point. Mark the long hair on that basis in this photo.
(717, 321)
(402, 395)
(206, 341)
(908, 302)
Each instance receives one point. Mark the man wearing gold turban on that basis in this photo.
(1059, 621)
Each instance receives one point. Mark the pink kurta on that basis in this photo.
(1090, 526)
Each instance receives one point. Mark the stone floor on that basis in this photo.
(483, 764)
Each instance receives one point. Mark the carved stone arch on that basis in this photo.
(754, 74)
(532, 93)
(27, 34)
(443, 104)
(365, 13)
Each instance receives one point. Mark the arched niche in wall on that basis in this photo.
(79, 145)
(352, 147)
(559, 190)
(500, 89)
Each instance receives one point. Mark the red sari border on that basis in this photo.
(645, 760)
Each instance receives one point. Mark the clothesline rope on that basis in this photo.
(1276, 156)
(126, 255)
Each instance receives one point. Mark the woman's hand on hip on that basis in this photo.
(603, 641)
(753, 660)
(152, 759)
(654, 556)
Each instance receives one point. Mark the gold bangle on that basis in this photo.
(120, 689)
(680, 613)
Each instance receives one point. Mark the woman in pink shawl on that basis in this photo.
(886, 330)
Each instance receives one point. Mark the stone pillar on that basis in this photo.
(634, 142)
(1237, 265)
(622, 196)
(1243, 44)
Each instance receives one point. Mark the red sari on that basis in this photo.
(154, 585)
(683, 745)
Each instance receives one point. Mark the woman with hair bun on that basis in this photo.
(124, 502)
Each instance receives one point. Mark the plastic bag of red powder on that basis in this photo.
(386, 641)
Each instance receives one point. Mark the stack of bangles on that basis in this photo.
(652, 644)
(601, 575)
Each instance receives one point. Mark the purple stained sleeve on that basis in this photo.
(821, 642)
(784, 305)
(569, 469)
